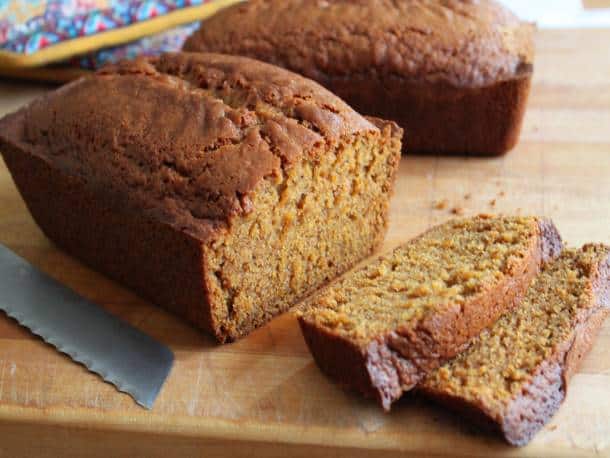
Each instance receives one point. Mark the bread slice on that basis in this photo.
(515, 376)
(382, 328)
(454, 74)
(219, 187)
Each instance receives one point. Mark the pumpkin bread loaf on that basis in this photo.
(383, 327)
(219, 187)
(454, 74)
(514, 377)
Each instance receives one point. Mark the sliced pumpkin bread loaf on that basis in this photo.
(382, 328)
(219, 187)
(514, 377)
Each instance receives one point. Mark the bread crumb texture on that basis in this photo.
(504, 360)
(317, 222)
(440, 204)
(457, 211)
(443, 267)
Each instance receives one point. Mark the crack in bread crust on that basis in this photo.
(185, 138)
(465, 44)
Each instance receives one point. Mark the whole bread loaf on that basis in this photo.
(383, 327)
(454, 74)
(219, 187)
(515, 376)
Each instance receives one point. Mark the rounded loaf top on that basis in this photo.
(186, 136)
(459, 42)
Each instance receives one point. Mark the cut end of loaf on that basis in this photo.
(311, 224)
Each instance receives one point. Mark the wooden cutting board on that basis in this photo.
(264, 395)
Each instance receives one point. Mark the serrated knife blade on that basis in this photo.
(122, 355)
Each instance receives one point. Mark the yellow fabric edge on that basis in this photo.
(81, 45)
(44, 74)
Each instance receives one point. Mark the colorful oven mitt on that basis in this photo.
(58, 40)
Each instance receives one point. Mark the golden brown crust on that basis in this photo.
(455, 74)
(396, 361)
(162, 264)
(442, 119)
(462, 43)
(184, 138)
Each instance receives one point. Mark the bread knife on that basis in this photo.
(122, 355)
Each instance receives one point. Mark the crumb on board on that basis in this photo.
(502, 193)
(551, 427)
(441, 204)
(457, 210)
(492, 202)
(467, 196)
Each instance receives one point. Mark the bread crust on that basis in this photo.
(540, 399)
(184, 138)
(455, 75)
(441, 119)
(164, 265)
(394, 363)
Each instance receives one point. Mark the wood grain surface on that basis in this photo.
(264, 395)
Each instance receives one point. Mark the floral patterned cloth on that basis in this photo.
(168, 41)
(27, 26)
